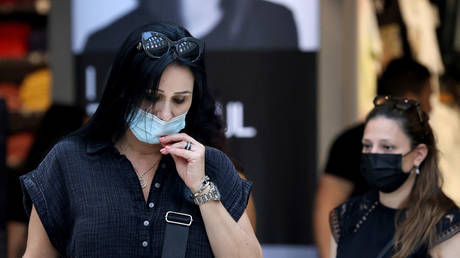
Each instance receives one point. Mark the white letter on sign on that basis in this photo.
(235, 120)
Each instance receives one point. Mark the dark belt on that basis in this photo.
(176, 234)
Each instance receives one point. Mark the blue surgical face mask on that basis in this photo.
(149, 128)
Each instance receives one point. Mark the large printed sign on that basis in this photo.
(261, 65)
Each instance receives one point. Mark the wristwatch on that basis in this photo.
(211, 194)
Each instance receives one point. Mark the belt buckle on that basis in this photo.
(172, 220)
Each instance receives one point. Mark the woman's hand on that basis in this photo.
(189, 163)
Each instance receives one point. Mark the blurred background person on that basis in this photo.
(406, 214)
(403, 77)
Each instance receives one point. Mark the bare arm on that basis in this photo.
(447, 249)
(250, 208)
(227, 237)
(17, 237)
(38, 243)
(333, 248)
(332, 191)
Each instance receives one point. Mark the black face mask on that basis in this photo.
(383, 171)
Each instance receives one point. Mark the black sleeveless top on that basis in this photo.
(362, 227)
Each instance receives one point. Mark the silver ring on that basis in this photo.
(188, 145)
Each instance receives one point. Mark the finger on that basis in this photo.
(164, 140)
(181, 145)
(180, 152)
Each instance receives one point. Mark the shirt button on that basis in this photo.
(157, 185)
(151, 205)
(146, 223)
(145, 244)
(163, 165)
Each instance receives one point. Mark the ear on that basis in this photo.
(421, 151)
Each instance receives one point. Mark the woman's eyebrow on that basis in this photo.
(177, 92)
(183, 92)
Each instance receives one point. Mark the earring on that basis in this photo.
(417, 170)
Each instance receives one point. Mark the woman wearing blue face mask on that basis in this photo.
(407, 215)
(137, 180)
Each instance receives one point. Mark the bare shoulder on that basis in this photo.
(447, 249)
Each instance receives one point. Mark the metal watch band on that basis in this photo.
(211, 194)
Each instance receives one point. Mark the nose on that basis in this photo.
(163, 111)
(374, 150)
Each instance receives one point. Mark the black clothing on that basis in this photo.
(345, 158)
(391, 15)
(15, 208)
(362, 226)
(246, 24)
(91, 204)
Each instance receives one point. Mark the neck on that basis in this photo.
(397, 199)
(130, 146)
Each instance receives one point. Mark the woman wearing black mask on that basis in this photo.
(407, 215)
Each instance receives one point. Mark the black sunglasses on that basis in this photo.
(402, 104)
(156, 45)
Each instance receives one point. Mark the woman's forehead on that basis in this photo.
(176, 78)
(380, 127)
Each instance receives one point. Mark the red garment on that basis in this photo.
(14, 39)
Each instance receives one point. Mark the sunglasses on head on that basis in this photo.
(402, 104)
(156, 45)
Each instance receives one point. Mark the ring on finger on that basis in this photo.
(188, 145)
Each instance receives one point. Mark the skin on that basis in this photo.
(383, 135)
(227, 237)
(16, 240)
(333, 190)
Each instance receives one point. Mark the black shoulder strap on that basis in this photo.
(386, 248)
(176, 232)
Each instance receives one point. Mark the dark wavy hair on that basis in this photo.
(413, 227)
(133, 74)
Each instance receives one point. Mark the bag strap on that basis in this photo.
(386, 248)
(176, 234)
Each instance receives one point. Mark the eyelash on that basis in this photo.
(387, 147)
(176, 100)
(179, 100)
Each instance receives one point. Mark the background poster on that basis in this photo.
(261, 63)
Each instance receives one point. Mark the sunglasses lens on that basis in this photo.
(188, 49)
(403, 106)
(379, 100)
(155, 44)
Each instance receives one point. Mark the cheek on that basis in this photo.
(180, 109)
(407, 164)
